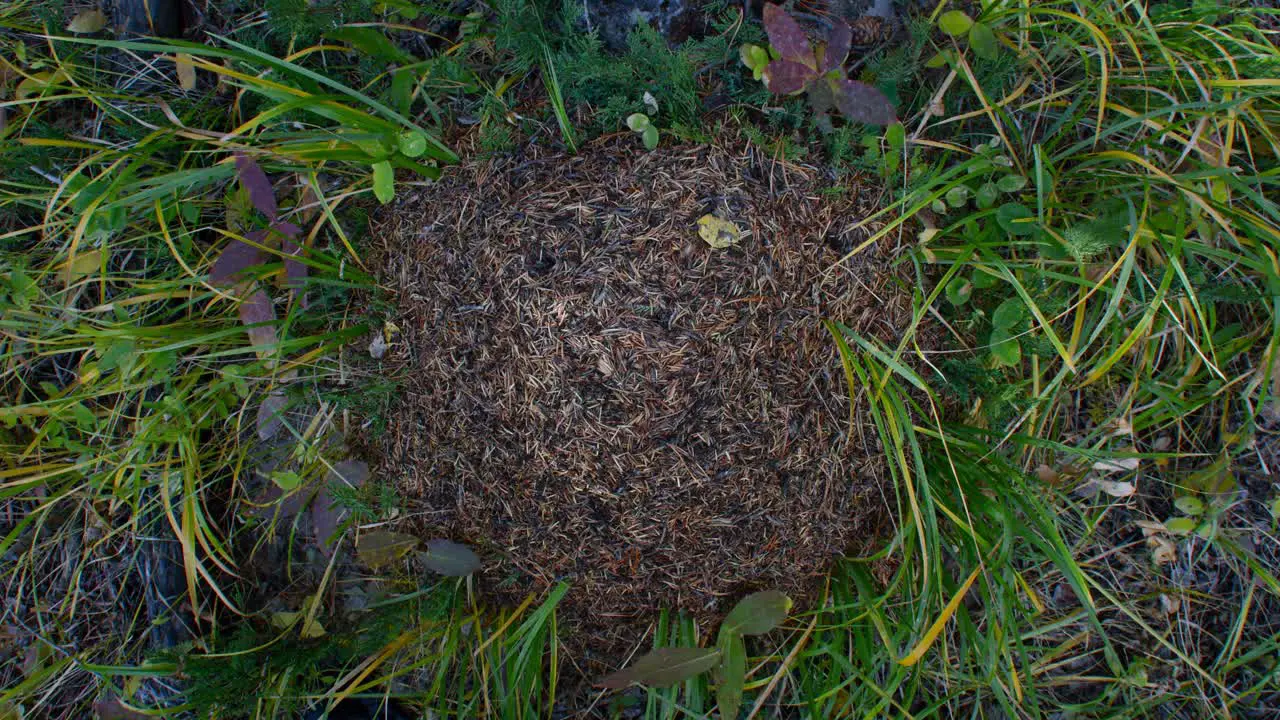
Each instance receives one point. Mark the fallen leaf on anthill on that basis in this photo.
(382, 547)
(450, 558)
(758, 613)
(718, 232)
(1163, 551)
(352, 472)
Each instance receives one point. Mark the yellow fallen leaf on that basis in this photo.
(186, 71)
(37, 82)
(935, 629)
(718, 232)
(84, 263)
(89, 21)
(310, 628)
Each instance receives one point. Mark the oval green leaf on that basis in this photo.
(1189, 505)
(983, 41)
(650, 137)
(450, 558)
(957, 197)
(896, 136)
(986, 195)
(758, 613)
(1011, 183)
(1004, 348)
(731, 673)
(664, 667)
(638, 121)
(954, 23)
(1008, 313)
(384, 182)
(1180, 525)
(1016, 219)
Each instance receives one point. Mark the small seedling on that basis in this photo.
(639, 122)
(756, 614)
(793, 65)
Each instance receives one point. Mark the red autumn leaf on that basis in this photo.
(258, 315)
(786, 36)
(256, 183)
(326, 515)
(270, 415)
(862, 103)
(237, 258)
(837, 48)
(785, 77)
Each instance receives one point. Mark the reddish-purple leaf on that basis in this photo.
(837, 48)
(862, 103)
(326, 515)
(785, 77)
(270, 417)
(255, 181)
(235, 259)
(786, 36)
(258, 315)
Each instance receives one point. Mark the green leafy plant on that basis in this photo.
(639, 123)
(793, 65)
(756, 614)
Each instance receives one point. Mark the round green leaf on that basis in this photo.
(1011, 183)
(1008, 314)
(1189, 505)
(957, 197)
(412, 143)
(986, 195)
(939, 206)
(954, 23)
(384, 182)
(758, 613)
(638, 121)
(959, 290)
(1004, 348)
(650, 137)
(1180, 525)
(983, 41)
(1016, 219)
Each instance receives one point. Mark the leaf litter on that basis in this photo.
(592, 394)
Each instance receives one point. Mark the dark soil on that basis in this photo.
(594, 395)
